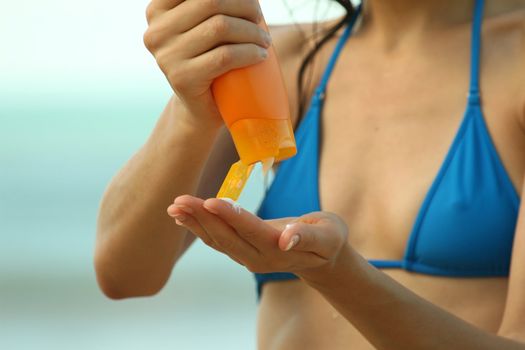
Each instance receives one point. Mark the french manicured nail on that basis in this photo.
(293, 242)
(235, 206)
(263, 52)
(260, 16)
(179, 219)
(267, 38)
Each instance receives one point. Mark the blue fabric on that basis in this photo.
(465, 226)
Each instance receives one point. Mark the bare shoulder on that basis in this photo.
(292, 42)
(294, 39)
(288, 40)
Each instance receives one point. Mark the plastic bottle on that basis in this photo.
(254, 106)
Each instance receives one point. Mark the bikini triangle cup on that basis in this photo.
(465, 226)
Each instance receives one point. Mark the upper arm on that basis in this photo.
(292, 43)
(513, 323)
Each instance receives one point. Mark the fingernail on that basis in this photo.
(267, 38)
(293, 242)
(263, 52)
(235, 206)
(179, 218)
(179, 222)
(260, 15)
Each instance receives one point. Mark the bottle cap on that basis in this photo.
(258, 139)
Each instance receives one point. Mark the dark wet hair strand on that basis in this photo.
(302, 86)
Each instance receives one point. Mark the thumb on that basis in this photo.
(320, 233)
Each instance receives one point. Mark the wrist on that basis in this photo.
(188, 128)
(195, 118)
(344, 268)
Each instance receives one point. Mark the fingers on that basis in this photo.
(280, 224)
(288, 244)
(228, 57)
(212, 230)
(320, 233)
(195, 41)
(247, 225)
(192, 12)
(157, 7)
(182, 215)
(223, 246)
(221, 30)
(192, 78)
(165, 4)
(185, 15)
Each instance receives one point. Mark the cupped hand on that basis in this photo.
(298, 244)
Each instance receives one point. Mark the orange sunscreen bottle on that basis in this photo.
(255, 108)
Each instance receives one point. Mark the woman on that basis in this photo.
(424, 188)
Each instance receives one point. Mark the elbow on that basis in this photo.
(110, 290)
(107, 282)
(107, 279)
(516, 334)
(118, 285)
(116, 293)
(517, 337)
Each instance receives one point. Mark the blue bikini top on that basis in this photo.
(465, 226)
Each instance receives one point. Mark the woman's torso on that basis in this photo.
(389, 131)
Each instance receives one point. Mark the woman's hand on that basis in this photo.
(307, 243)
(196, 41)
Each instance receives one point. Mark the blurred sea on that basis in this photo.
(57, 154)
(79, 94)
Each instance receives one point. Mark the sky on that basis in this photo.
(79, 94)
(44, 43)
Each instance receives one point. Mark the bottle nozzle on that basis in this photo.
(235, 180)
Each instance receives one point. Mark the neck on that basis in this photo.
(392, 21)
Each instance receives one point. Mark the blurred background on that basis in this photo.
(79, 94)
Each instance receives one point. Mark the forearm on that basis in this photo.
(137, 243)
(391, 316)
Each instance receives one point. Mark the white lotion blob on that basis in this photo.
(236, 206)
(267, 165)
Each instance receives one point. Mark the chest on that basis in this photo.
(387, 127)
